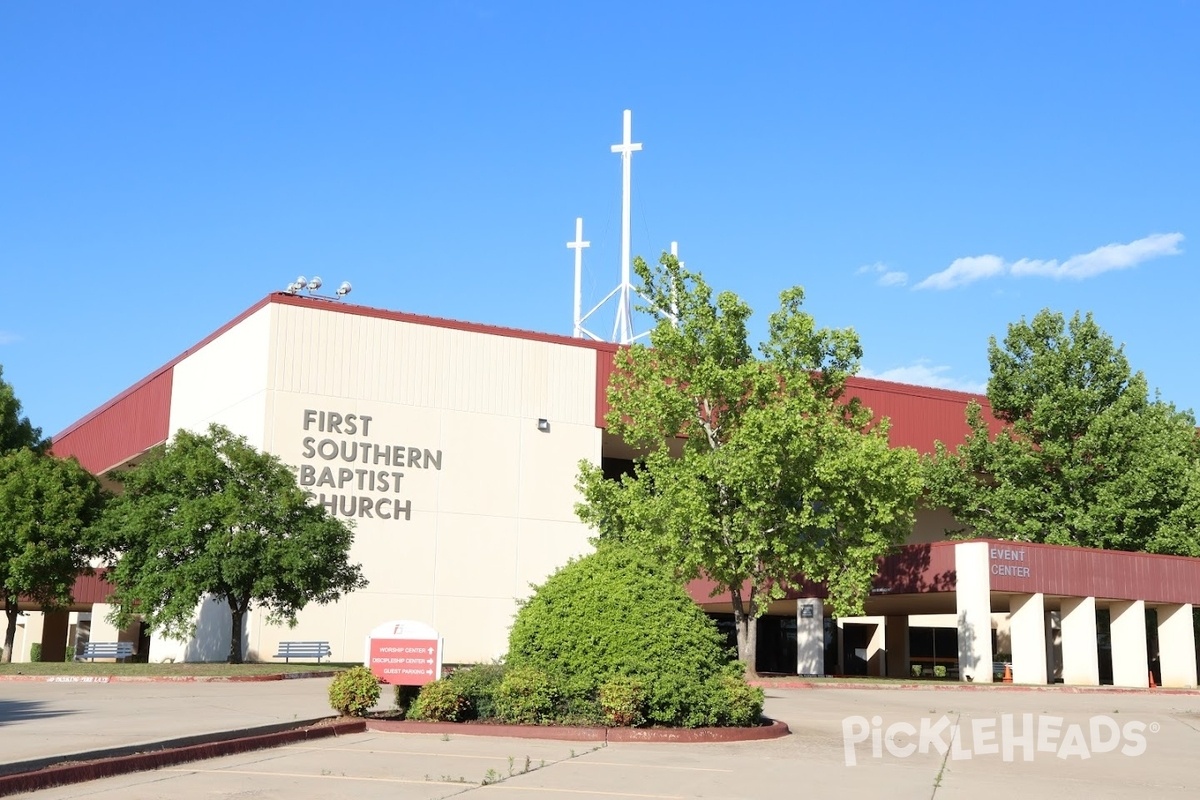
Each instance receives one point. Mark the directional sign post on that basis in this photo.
(405, 653)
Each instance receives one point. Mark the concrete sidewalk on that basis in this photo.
(52, 720)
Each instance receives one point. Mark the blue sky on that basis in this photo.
(928, 172)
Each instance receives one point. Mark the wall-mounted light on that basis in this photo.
(544, 425)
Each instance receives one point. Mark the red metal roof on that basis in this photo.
(919, 415)
(125, 427)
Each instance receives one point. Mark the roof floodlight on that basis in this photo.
(301, 282)
(344, 289)
(315, 283)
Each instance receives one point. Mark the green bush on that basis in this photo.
(439, 701)
(70, 655)
(35, 651)
(623, 701)
(405, 697)
(478, 684)
(528, 696)
(619, 614)
(353, 692)
(743, 702)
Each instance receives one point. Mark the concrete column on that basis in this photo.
(1177, 646)
(810, 636)
(877, 651)
(1080, 661)
(54, 635)
(1128, 630)
(32, 627)
(1027, 632)
(895, 641)
(974, 598)
(1053, 647)
(103, 630)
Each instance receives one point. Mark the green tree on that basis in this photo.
(754, 468)
(47, 506)
(208, 514)
(16, 431)
(1085, 456)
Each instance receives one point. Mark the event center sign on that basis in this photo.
(404, 652)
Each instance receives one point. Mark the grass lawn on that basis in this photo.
(176, 670)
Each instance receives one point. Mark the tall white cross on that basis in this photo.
(674, 296)
(578, 246)
(624, 323)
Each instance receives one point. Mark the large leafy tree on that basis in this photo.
(47, 506)
(1085, 456)
(209, 515)
(755, 468)
(16, 431)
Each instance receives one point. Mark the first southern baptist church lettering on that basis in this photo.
(454, 447)
(382, 484)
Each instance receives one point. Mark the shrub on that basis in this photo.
(405, 697)
(478, 684)
(623, 701)
(35, 651)
(528, 696)
(618, 614)
(579, 708)
(743, 702)
(70, 655)
(439, 701)
(353, 692)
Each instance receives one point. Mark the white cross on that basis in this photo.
(674, 298)
(578, 246)
(579, 242)
(627, 148)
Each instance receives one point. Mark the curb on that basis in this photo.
(274, 676)
(774, 730)
(81, 767)
(971, 687)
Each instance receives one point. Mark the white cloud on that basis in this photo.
(1110, 257)
(887, 277)
(1104, 259)
(963, 271)
(8, 338)
(922, 373)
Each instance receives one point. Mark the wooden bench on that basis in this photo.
(93, 650)
(305, 650)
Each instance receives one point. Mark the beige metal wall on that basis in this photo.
(224, 381)
(496, 516)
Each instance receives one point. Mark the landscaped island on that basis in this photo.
(612, 639)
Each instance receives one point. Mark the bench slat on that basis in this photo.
(290, 650)
(94, 650)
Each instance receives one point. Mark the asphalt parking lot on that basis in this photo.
(1076, 746)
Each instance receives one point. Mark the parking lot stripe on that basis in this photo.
(402, 753)
(579, 762)
(579, 791)
(310, 775)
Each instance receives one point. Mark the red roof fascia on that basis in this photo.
(89, 418)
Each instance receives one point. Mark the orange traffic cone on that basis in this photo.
(1153, 685)
(1008, 673)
